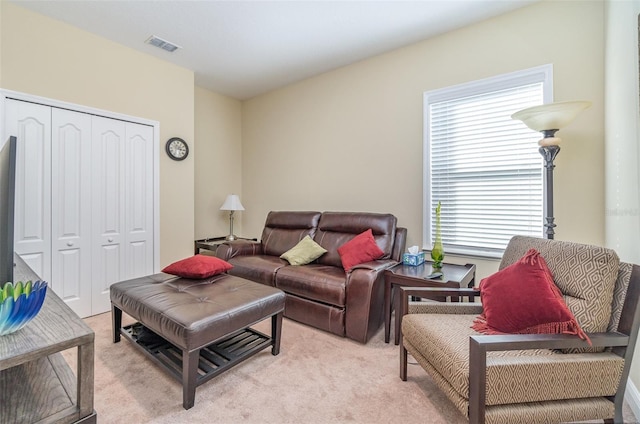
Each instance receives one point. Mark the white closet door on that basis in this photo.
(85, 199)
(109, 209)
(122, 205)
(71, 208)
(31, 124)
(139, 198)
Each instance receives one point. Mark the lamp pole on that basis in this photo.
(231, 236)
(549, 153)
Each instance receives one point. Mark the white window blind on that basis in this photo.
(482, 165)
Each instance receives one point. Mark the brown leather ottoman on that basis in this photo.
(199, 328)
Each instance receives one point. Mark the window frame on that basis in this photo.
(543, 73)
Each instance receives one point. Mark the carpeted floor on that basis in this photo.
(316, 378)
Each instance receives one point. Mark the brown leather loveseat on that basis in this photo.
(321, 293)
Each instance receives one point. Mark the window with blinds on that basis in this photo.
(482, 165)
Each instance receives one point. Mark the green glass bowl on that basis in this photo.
(19, 303)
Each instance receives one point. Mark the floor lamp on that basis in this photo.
(232, 204)
(548, 119)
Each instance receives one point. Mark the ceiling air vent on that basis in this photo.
(163, 44)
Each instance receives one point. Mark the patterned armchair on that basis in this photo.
(533, 378)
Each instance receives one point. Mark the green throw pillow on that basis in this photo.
(304, 252)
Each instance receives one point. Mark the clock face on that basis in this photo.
(177, 148)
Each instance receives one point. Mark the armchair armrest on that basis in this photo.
(427, 292)
(480, 345)
(503, 342)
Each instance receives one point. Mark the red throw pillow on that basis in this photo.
(523, 299)
(198, 266)
(360, 249)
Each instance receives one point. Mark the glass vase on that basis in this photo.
(437, 251)
(437, 254)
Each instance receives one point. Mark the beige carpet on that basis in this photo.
(316, 378)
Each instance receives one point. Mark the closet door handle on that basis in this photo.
(69, 243)
(110, 240)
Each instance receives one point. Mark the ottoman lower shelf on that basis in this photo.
(214, 359)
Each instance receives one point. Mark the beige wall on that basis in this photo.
(346, 140)
(351, 139)
(48, 58)
(0, 47)
(623, 140)
(217, 162)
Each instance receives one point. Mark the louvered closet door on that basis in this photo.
(31, 124)
(71, 208)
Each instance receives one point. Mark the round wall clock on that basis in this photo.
(177, 148)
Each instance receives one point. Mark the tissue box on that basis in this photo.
(413, 260)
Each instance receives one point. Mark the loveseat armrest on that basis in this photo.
(399, 243)
(364, 299)
(231, 249)
(377, 265)
(480, 345)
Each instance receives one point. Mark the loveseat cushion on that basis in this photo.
(585, 275)
(198, 266)
(258, 268)
(512, 376)
(306, 251)
(360, 249)
(283, 230)
(322, 283)
(337, 228)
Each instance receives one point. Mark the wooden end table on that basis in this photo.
(212, 243)
(457, 276)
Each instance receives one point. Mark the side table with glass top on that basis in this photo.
(455, 276)
(212, 243)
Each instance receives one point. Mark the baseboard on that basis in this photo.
(632, 397)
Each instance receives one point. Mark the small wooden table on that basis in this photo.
(456, 276)
(212, 243)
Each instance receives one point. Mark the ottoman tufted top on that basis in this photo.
(195, 313)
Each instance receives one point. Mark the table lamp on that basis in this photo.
(231, 204)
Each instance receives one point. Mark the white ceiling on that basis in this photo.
(245, 48)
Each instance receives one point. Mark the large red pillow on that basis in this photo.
(360, 249)
(198, 266)
(523, 299)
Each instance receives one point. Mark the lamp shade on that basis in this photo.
(552, 116)
(232, 203)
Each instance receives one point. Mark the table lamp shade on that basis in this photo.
(232, 203)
